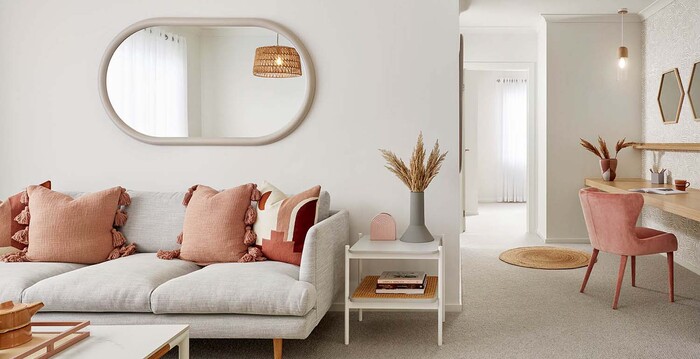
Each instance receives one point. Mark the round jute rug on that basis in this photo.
(546, 257)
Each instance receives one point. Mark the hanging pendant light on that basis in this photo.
(622, 52)
(277, 61)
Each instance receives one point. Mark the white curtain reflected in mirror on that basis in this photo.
(147, 83)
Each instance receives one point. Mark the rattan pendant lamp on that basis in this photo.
(277, 61)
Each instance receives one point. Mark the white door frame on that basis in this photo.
(531, 133)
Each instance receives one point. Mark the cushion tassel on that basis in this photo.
(22, 236)
(127, 250)
(256, 253)
(179, 238)
(24, 199)
(118, 239)
(124, 198)
(20, 256)
(188, 195)
(168, 255)
(251, 215)
(114, 254)
(23, 217)
(250, 236)
(120, 218)
(246, 258)
(256, 195)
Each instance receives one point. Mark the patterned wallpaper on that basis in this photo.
(671, 38)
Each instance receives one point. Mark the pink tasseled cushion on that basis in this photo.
(218, 226)
(63, 229)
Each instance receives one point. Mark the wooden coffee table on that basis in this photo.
(125, 341)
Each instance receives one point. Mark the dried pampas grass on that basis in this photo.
(604, 153)
(419, 173)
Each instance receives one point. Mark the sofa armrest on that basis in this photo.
(322, 261)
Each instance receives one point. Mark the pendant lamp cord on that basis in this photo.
(622, 28)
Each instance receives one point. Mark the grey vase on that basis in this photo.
(417, 232)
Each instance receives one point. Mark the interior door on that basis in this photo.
(470, 129)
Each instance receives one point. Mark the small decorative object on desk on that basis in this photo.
(382, 228)
(15, 327)
(416, 176)
(657, 177)
(681, 185)
(401, 283)
(608, 165)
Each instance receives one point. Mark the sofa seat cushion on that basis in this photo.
(16, 277)
(120, 285)
(268, 288)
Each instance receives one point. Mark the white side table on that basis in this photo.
(367, 249)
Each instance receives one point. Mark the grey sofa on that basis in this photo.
(230, 300)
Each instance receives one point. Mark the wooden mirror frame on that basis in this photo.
(695, 108)
(680, 102)
(295, 121)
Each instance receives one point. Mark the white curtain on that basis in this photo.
(147, 83)
(514, 141)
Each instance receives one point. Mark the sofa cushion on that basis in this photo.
(16, 277)
(65, 229)
(121, 285)
(268, 288)
(155, 220)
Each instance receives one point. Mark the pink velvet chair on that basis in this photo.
(611, 221)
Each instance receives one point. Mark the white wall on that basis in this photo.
(499, 44)
(379, 83)
(671, 40)
(584, 99)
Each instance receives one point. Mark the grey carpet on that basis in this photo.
(513, 312)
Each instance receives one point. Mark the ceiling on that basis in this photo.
(526, 13)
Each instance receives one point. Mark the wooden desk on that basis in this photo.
(684, 205)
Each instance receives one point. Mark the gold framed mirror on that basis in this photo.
(694, 91)
(670, 96)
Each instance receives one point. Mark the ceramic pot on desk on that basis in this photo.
(608, 168)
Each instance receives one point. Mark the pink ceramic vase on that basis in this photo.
(608, 168)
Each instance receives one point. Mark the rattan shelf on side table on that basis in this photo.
(363, 297)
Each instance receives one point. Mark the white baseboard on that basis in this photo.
(567, 240)
(452, 308)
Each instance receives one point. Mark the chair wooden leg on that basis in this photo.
(277, 343)
(620, 275)
(669, 259)
(594, 257)
(634, 270)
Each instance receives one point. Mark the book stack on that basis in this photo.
(401, 283)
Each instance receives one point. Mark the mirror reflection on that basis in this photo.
(670, 96)
(199, 81)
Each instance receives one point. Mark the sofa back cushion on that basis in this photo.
(155, 220)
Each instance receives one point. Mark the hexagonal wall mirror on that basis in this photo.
(694, 91)
(671, 96)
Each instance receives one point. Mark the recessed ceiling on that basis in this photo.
(526, 13)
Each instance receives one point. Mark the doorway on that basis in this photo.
(498, 162)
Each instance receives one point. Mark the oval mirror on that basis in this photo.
(178, 81)
(670, 97)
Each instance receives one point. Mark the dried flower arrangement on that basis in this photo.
(603, 153)
(418, 175)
